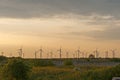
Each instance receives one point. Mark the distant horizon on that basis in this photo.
(72, 52)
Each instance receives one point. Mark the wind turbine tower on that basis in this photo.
(2, 53)
(113, 53)
(41, 51)
(83, 54)
(60, 53)
(35, 54)
(78, 53)
(106, 54)
(67, 55)
(20, 52)
(96, 53)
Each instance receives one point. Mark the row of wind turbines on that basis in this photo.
(77, 54)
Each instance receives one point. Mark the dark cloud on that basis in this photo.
(114, 1)
(45, 8)
(48, 8)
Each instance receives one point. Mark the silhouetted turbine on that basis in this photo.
(113, 52)
(35, 54)
(96, 53)
(60, 53)
(106, 54)
(41, 51)
(78, 53)
(67, 54)
(2, 53)
(20, 52)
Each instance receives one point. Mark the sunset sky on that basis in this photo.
(51, 24)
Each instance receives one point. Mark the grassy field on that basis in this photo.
(68, 69)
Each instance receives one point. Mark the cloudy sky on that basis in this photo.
(88, 24)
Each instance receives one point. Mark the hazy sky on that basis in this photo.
(88, 24)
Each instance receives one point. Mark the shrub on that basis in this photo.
(102, 74)
(15, 69)
(2, 58)
(68, 62)
(115, 59)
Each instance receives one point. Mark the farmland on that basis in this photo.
(65, 69)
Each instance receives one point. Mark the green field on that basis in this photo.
(56, 69)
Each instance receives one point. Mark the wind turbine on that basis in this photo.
(23, 55)
(2, 53)
(113, 52)
(78, 53)
(41, 51)
(83, 53)
(96, 53)
(20, 52)
(106, 54)
(35, 54)
(60, 52)
(67, 54)
(86, 54)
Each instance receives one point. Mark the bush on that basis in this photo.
(115, 59)
(3, 60)
(15, 69)
(102, 74)
(68, 62)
